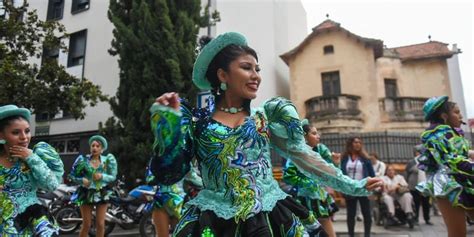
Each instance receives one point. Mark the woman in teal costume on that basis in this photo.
(22, 172)
(93, 173)
(308, 191)
(232, 145)
(167, 205)
(449, 171)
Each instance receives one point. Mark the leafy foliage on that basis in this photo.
(45, 88)
(155, 41)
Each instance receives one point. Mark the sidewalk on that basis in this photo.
(421, 230)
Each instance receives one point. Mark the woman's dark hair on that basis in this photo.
(6, 122)
(446, 107)
(222, 60)
(307, 128)
(350, 150)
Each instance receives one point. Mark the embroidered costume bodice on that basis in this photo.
(18, 184)
(235, 163)
(82, 168)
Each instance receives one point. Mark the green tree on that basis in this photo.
(155, 41)
(45, 88)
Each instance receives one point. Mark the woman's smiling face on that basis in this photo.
(243, 78)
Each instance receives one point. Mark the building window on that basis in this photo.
(331, 83)
(41, 117)
(59, 146)
(69, 146)
(391, 90)
(328, 49)
(50, 53)
(77, 48)
(79, 6)
(55, 9)
(72, 146)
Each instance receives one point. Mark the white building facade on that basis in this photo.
(272, 27)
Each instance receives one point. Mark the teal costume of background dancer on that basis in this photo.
(169, 197)
(309, 191)
(22, 172)
(97, 192)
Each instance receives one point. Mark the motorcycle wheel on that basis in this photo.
(109, 227)
(67, 212)
(146, 227)
(55, 206)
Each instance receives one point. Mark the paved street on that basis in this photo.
(421, 230)
(436, 230)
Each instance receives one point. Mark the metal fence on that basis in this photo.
(391, 147)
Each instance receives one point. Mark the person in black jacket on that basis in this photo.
(355, 164)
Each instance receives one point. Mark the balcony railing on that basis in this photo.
(329, 106)
(403, 108)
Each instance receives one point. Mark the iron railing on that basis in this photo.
(321, 106)
(403, 108)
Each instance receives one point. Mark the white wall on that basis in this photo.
(457, 87)
(99, 67)
(271, 26)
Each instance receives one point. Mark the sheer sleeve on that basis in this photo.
(293, 177)
(46, 166)
(173, 144)
(287, 139)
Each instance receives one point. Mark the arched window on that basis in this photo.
(328, 49)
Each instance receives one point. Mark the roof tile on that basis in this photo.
(424, 50)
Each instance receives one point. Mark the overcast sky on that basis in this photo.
(404, 22)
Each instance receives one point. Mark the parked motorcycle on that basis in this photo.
(49, 199)
(129, 211)
(124, 210)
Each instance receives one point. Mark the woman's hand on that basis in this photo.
(86, 182)
(170, 99)
(20, 152)
(97, 176)
(373, 183)
(336, 158)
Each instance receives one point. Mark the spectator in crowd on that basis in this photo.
(396, 188)
(379, 166)
(356, 164)
(415, 176)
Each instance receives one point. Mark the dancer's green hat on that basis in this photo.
(208, 53)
